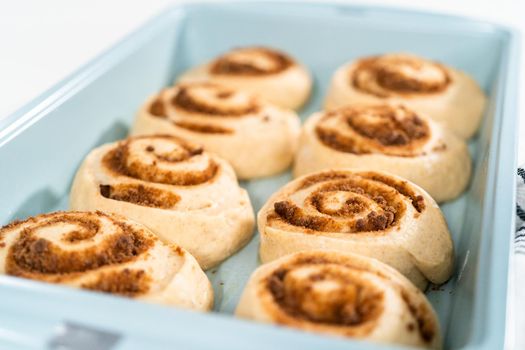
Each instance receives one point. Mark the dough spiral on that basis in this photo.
(105, 253)
(258, 139)
(183, 194)
(271, 74)
(344, 295)
(446, 95)
(370, 213)
(389, 138)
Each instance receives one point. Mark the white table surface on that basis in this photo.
(42, 42)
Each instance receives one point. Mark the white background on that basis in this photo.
(42, 42)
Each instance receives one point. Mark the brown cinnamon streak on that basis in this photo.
(184, 99)
(353, 305)
(116, 161)
(385, 72)
(36, 255)
(125, 282)
(140, 194)
(381, 129)
(203, 128)
(228, 66)
(366, 202)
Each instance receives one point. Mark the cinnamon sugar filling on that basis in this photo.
(254, 61)
(350, 303)
(385, 129)
(221, 101)
(157, 108)
(202, 128)
(328, 291)
(117, 160)
(388, 75)
(141, 195)
(126, 282)
(348, 203)
(34, 256)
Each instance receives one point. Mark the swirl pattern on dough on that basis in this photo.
(212, 99)
(100, 252)
(341, 294)
(231, 123)
(346, 202)
(366, 212)
(251, 61)
(267, 73)
(162, 159)
(386, 137)
(445, 94)
(385, 129)
(182, 193)
(404, 75)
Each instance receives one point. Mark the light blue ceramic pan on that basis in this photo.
(42, 144)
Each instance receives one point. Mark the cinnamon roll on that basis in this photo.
(447, 95)
(104, 253)
(268, 73)
(258, 139)
(342, 295)
(365, 212)
(386, 138)
(184, 195)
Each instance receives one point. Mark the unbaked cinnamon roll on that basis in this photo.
(343, 295)
(184, 195)
(447, 95)
(268, 73)
(389, 138)
(258, 139)
(365, 212)
(105, 253)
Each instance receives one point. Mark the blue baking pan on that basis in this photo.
(42, 144)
